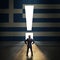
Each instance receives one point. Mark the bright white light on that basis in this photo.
(27, 34)
(29, 16)
(29, 54)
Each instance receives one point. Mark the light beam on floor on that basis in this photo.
(37, 54)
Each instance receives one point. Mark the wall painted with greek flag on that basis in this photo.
(46, 20)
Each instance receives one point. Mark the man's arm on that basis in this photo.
(25, 41)
(33, 41)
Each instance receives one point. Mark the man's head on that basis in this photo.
(29, 36)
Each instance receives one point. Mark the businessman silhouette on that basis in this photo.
(29, 42)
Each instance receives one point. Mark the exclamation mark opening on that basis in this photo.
(29, 16)
(29, 19)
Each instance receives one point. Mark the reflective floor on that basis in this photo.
(37, 54)
(42, 50)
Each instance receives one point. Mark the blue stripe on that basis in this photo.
(47, 38)
(12, 38)
(4, 18)
(36, 38)
(34, 29)
(41, 1)
(4, 4)
(16, 19)
(17, 4)
(45, 10)
(46, 20)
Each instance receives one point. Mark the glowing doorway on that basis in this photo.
(27, 34)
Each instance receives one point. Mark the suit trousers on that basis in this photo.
(30, 50)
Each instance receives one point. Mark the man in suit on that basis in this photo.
(29, 42)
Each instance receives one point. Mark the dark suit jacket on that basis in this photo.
(29, 42)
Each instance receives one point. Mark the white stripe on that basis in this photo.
(45, 6)
(8, 11)
(34, 33)
(34, 25)
(18, 11)
(45, 15)
(11, 11)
